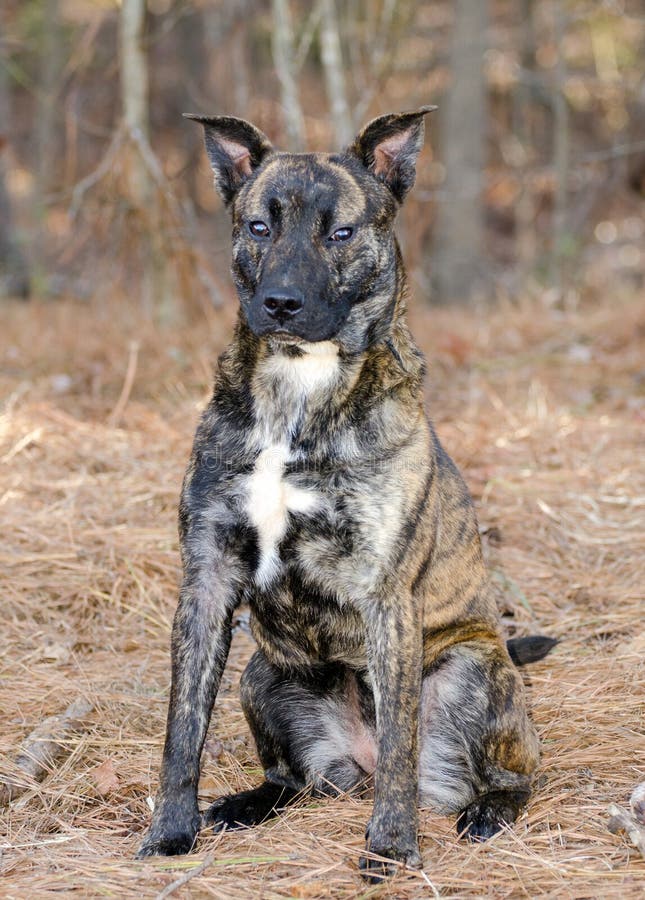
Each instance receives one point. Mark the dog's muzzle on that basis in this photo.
(281, 307)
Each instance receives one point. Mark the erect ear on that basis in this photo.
(389, 146)
(235, 148)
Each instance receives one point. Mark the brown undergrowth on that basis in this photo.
(543, 409)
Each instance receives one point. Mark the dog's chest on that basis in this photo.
(270, 500)
(288, 387)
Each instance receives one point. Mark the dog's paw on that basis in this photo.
(392, 860)
(172, 845)
(171, 834)
(490, 813)
(229, 812)
(249, 808)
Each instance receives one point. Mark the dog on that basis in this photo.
(319, 493)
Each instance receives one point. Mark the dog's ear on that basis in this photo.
(235, 148)
(389, 146)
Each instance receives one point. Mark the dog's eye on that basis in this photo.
(342, 234)
(259, 229)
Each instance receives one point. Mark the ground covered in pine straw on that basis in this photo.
(543, 409)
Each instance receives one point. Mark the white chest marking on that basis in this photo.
(270, 498)
(317, 368)
(269, 501)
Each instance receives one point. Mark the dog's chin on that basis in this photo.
(281, 337)
(284, 338)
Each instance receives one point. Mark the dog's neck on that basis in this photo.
(293, 384)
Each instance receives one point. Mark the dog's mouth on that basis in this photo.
(274, 333)
(313, 328)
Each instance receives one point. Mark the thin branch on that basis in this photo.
(307, 37)
(208, 860)
(441, 195)
(615, 152)
(99, 173)
(117, 413)
(152, 164)
(381, 58)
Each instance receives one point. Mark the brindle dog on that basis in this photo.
(318, 492)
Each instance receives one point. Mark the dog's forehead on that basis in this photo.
(308, 181)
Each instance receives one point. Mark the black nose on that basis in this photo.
(282, 306)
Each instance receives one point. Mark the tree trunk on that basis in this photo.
(560, 154)
(283, 58)
(14, 272)
(636, 136)
(47, 118)
(526, 248)
(50, 68)
(458, 253)
(332, 60)
(158, 283)
(134, 93)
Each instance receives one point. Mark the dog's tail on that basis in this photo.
(526, 650)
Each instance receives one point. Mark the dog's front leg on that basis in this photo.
(394, 645)
(201, 638)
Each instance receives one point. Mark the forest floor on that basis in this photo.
(544, 411)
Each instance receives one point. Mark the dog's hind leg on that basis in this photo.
(308, 734)
(478, 747)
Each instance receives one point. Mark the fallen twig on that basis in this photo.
(637, 803)
(46, 743)
(186, 877)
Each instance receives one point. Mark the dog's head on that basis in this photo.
(314, 255)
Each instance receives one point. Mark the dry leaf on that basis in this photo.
(312, 889)
(105, 778)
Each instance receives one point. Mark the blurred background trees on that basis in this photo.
(534, 178)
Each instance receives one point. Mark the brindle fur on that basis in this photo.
(319, 493)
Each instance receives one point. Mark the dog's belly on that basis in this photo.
(298, 627)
